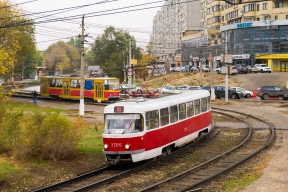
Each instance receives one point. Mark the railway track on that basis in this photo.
(193, 174)
(198, 176)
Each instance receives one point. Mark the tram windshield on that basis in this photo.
(123, 123)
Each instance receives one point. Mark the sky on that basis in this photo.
(99, 15)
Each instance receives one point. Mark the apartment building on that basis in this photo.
(253, 32)
(175, 19)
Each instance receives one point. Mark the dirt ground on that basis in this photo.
(274, 175)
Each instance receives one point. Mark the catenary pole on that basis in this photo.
(81, 106)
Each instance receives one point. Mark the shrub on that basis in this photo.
(49, 136)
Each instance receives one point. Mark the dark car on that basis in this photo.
(242, 68)
(220, 92)
(265, 92)
(208, 88)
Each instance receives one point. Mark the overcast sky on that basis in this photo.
(139, 22)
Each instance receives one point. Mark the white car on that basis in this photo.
(132, 88)
(183, 87)
(169, 89)
(243, 92)
(263, 68)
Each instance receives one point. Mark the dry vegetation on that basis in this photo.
(178, 79)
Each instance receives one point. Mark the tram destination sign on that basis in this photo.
(269, 27)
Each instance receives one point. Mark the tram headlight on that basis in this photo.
(127, 146)
(105, 146)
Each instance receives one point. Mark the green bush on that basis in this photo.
(36, 133)
(49, 136)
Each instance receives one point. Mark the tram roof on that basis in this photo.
(138, 106)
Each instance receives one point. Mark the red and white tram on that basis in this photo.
(137, 130)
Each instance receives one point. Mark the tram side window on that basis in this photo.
(173, 114)
(190, 109)
(52, 82)
(203, 104)
(58, 82)
(182, 111)
(152, 119)
(197, 106)
(208, 103)
(164, 115)
(75, 83)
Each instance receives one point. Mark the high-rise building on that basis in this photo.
(253, 32)
(175, 19)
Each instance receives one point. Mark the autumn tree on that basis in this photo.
(111, 49)
(16, 38)
(61, 56)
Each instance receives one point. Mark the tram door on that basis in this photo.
(44, 87)
(66, 88)
(99, 93)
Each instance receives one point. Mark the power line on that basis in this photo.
(96, 14)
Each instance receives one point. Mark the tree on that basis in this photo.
(16, 42)
(110, 51)
(61, 56)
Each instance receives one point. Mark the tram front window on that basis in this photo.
(123, 123)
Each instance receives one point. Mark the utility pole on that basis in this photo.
(124, 67)
(129, 65)
(81, 106)
(211, 73)
(36, 75)
(226, 58)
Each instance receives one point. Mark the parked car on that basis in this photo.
(220, 92)
(242, 91)
(132, 88)
(263, 68)
(208, 88)
(234, 70)
(218, 70)
(175, 69)
(265, 92)
(252, 69)
(169, 89)
(241, 68)
(205, 68)
(183, 69)
(194, 69)
(182, 87)
(194, 87)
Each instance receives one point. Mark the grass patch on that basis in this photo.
(7, 169)
(91, 141)
(225, 118)
(246, 174)
(42, 163)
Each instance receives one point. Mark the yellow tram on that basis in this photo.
(97, 89)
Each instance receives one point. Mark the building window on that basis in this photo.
(208, 11)
(208, 21)
(258, 7)
(278, 5)
(286, 16)
(265, 6)
(222, 18)
(258, 19)
(276, 17)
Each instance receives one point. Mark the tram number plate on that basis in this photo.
(116, 144)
